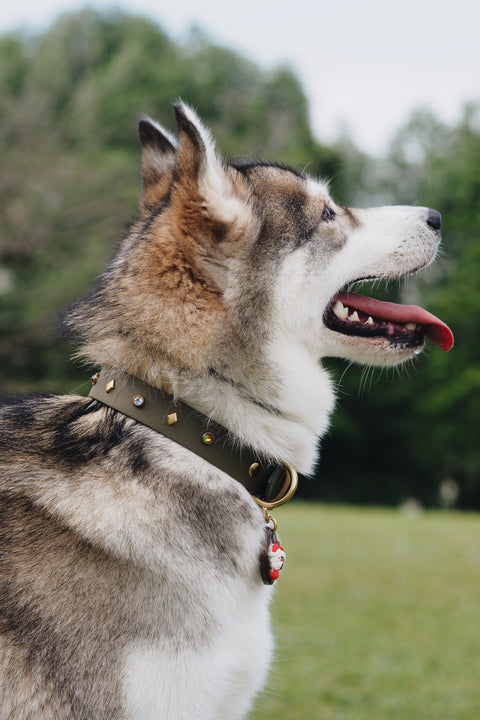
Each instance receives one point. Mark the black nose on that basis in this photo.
(434, 219)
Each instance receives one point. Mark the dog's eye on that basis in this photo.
(328, 215)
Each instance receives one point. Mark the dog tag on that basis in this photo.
(272, 557)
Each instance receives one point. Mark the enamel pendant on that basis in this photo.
(272, 558)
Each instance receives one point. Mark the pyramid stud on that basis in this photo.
(110, 386)
(172, 418)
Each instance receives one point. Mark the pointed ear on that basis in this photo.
(196, 147)
(158, 159)
(200, 175)
(210, 200)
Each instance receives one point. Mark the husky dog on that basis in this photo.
(130, 582)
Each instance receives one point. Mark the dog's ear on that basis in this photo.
(212, 203)
(158, 160)
(200, 174)
(196, 152)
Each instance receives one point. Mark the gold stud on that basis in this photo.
(110, 386)
(208, 438)
(172, 418)
(94, 378)
(253, 469)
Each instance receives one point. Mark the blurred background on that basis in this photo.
(383, 99)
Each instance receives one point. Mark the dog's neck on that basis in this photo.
(280, 409)
(286, 427)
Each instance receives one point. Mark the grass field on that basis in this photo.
(377, 616)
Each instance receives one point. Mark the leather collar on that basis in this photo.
(270, 484)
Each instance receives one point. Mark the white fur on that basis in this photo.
(318, 187)
(217, 683)
(390, 242)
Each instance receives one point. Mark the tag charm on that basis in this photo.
(276, 557)
(272, 558)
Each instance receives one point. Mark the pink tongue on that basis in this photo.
(435, 329)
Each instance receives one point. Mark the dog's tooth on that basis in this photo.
(369, 320)
(411, 326)
(354, 317)
(340, 310)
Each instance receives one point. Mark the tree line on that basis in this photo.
(70, 98)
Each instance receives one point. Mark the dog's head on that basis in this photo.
(230, 260)
(271, 241)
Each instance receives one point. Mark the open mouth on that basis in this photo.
(405, 325)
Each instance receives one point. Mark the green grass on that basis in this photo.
(377, 616)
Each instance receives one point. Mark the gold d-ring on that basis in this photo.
(286, 493)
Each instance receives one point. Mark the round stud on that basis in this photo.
(94, 378)
(138, 400)
(208, 438)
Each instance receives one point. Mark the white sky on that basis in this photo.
(365, 64)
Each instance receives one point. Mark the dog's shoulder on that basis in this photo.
(116, 482)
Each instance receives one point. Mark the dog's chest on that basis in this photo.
(215, 680)
(203, 644)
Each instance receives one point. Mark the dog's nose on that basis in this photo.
(434, 219)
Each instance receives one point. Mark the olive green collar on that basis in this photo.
(270, 484)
